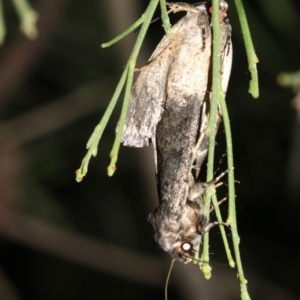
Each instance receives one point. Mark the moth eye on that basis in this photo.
(187, 247)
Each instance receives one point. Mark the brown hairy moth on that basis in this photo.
(181, 139)
(148, 94)
(169, 105)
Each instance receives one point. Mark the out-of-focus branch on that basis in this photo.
(119, 15)
(28, 17)
(55, 115)
(21, 55)
(81, 249)
(7, 290)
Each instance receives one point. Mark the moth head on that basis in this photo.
(177, 244)
(185, 250)
(176, 234)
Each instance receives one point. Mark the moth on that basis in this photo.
(181, 139)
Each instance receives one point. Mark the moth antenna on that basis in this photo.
(168, 277)
(152, 21)
(220, 162)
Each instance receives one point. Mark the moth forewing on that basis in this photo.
(146, 101)
(186, 89)
(174, 220)
(149, 91)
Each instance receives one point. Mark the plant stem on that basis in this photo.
(93, 142)
(131, 64)
(216, 85)
(124, 33)
(165, 17)
(251, 55)
(231, 202)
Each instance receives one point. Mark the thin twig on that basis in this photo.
(216, 86)
(231, 202)
(251, 55)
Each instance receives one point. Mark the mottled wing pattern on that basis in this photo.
(186, 89)
(149, 91)
(177, 133)
(181, 137)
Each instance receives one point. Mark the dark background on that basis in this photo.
(64, 240)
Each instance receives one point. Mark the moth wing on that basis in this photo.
(146, 101)
(149, 91)
(179, 127)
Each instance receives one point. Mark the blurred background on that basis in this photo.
(65, 240)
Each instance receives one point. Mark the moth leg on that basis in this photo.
(219, 203)
(204, 226)
(209, 226)
(196, 191)
(214, 181)
(199, 188)
(181, 6)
